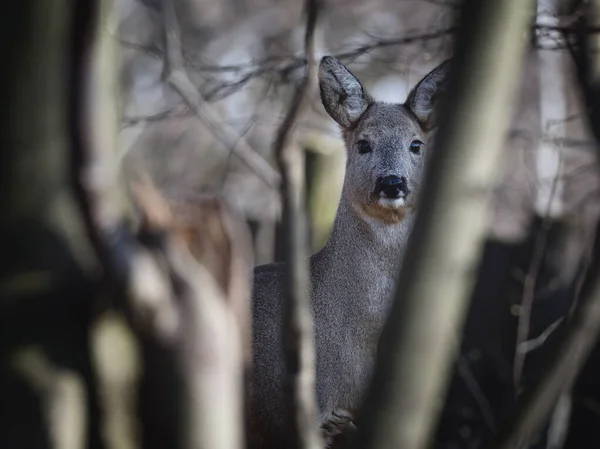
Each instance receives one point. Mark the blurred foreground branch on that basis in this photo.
(195, 325)
(182, 279)
(48, 271)
(422, 334)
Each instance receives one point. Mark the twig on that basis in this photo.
(298, 324)
(130, 121)
(531, 345)
(176, 75)
(529, 285)
(478, 394)
(283, 66)
(93, 174)
(562, 368)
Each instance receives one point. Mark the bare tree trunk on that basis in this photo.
(48, 273)
(68, 254)
(422, 334)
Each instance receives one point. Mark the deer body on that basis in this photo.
(353, 276)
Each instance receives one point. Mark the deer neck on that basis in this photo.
(362, 257)
(355, 234)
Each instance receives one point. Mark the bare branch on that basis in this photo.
(475, 389)
(176, 75)
(537, 342)
(529, 285)
(157, 117)
(281, 67)
(298, 324)
(561, 370)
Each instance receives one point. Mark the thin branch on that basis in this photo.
(534, 343)
(529, 284)
(176, 75)
(562, 368)
(478, 394)
(131, 121)
(287, 64)
(298, 336)
(282, 66)
(93, 142)
(559, 423)
(444, 3)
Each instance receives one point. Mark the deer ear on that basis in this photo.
(424, 98)
(342, 94)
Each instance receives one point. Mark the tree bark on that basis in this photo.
(422, 334)
(68, 253)
(48, 270)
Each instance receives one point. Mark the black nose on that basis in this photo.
(392, 187)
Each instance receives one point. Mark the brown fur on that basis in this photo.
(385, 214)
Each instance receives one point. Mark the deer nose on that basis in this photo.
(392, 187)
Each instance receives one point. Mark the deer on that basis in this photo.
(353, 276)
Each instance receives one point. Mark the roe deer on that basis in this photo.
(353, 276)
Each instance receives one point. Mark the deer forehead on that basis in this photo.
(387, 120)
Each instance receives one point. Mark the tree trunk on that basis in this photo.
(49, 273)
(422, 333)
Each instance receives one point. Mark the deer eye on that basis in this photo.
(415, 146)
(363, 147)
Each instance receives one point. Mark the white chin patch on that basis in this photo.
(392, 203)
